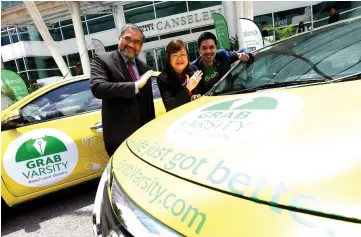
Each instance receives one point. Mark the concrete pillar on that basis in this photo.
(40, 63)
(2, 62)
(248, 9)
(230, 15)
(239, 14)
(244, 9)
(119, 19)
(142, 56)
(74, 8)
(44, 32)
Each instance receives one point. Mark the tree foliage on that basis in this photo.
(283, 33)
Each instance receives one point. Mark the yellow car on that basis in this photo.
(61, 122)
(273, 150)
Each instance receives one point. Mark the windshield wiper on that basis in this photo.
(290, 52)
(275, 85)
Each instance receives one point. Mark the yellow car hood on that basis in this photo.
(297, 147)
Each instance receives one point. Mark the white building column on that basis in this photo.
(119, 19)
(44, 32)
(2, 62)
(74, 8)
(244, 9)
(231, 18)
(248, 9)
(141, 56)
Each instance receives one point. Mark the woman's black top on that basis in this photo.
(173, 90)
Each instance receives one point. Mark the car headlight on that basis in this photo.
(132, 219)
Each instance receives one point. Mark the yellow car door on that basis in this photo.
(56, 141)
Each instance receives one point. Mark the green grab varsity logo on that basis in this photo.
(41, 157)
(230, 121)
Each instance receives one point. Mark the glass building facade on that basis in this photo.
(33, 68)
(313, 16)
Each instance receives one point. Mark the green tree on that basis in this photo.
(283, 33)
(35, 86)
(6, 91)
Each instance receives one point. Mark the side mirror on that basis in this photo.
(14, 119)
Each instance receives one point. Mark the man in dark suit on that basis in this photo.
(121, 80)
(335, 16)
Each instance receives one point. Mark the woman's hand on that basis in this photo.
(194, 97)
(194, 80)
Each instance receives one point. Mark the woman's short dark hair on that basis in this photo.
(206, 36)
(173, 47)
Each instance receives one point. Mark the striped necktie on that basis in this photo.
(131, 70)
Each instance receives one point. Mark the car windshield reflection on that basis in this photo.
(325, 54)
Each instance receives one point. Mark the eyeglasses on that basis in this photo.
(129, 40)
(175, 56)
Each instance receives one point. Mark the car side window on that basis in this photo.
(67, 100)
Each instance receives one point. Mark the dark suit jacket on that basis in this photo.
(172, 92)
(123, 111)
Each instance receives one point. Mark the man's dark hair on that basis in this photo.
(263, 23)
(133, 27)
(206, 36)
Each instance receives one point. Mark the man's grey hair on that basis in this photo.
(133, 27)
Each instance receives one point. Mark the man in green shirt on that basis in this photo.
(215, 63)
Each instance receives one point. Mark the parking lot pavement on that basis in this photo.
(65, 213)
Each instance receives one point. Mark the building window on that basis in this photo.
(203, 28)
(24, 37)
(56, 34)
(193, 51)
(45, 62)
(321, 11)
(150, 59)
(202, 4)
(160, 56)
(21, 64)
(170, 8)
(179, 33)
(5, 4)
(101, 24)
(111, 48)
(24, 76)
(92, 16)
(5, 40)
(139, 15)
(292, 16)
(68, 32)
(73, 59)
(10, 65)
(33, 76)
(350, 14)
(33, 34)
(267, 18)
(66, 22)
(150, 39)
(13, 35)
(136, 4)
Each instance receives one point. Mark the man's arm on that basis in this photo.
(232, 57)
(102, 88)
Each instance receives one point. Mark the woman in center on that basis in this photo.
(178, 82)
